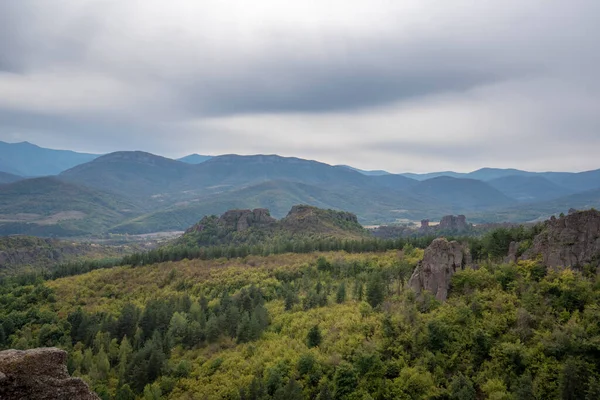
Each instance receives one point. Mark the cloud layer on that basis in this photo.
(417, 85)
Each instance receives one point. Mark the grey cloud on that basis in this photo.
(173, 76)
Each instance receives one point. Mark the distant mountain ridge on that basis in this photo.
(194, 158)
(139, 192)
(27, 159)
(6, 177)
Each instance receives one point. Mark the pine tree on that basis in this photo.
(314, 338)
(375, 290)
(345, 381)
(212, 329)
(244, 331)
(593, 391)
(340, 296)
(125, 352)
(125, 393)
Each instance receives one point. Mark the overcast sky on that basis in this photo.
(401, 85)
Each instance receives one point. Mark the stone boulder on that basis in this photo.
(440, 261)
(39, 374)
(569, 241)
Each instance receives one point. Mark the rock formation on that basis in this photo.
(244, 219)
(440, 261)
(39, 374)
(451, 223)
(569, 241)
(311, 213)
(237, 220)
(424, 228)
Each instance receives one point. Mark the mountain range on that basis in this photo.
(138, 192)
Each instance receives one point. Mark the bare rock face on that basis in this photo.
(424, 226)
(440, 261)
(39, 374)
(569, 241)
(241, 220)
(513, 252)
(453, 223)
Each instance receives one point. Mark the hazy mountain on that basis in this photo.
(132, 174)
(5, 177)
(461, 194)
(529, 188)
(237, 170)
(430, 175)
(377, 172)
(48, 206)
(138, 192)
(577, 182)
(487, 174)
(160, 181)
(194, 159)
(27, 159)
(394, 181)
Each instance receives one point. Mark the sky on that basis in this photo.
(400, 85)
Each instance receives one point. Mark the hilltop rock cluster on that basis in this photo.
(569, 241)
(440, 261)
(311, 214)
(240, 220)
(39, 374)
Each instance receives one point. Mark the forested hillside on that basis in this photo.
(326, 325)
(21, 254)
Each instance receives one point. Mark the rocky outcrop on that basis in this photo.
(39, 374)
(451, 223)
(424, 228)
(240, 220)
(568, 241)
(440, 261)
(312, 214)
(513, 252)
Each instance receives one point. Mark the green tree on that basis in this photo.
(244, 331)
(314, 338)
(340, 296)
(125, 351)
(461, 388)
(177, 329)
(345, 381)
(291, 391)
(375, 290)
(124, 392)
(593, 391)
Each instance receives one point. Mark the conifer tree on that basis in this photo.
(314, 338)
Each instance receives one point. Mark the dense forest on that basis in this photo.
(325, 324)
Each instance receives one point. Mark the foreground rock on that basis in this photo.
(568, 241)
(39, 374)
(440, 261)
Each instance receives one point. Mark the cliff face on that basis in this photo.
(237, 220)
(240, 220)
(568, 241)
(453, 223)
(39, 374)
(440, 261)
